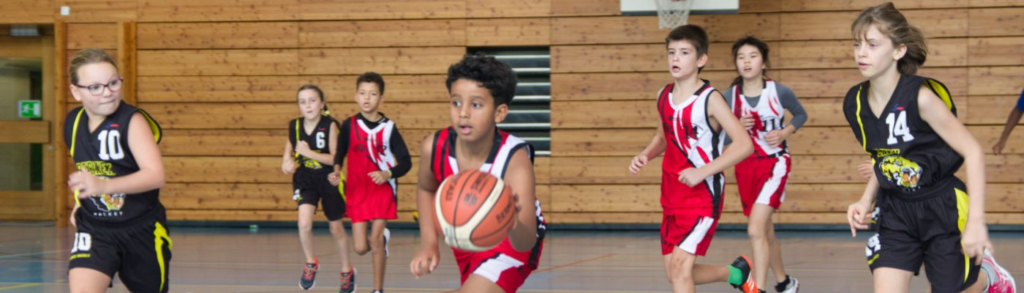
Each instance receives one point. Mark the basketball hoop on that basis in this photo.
(673, 13)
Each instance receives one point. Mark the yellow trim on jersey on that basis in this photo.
(341, 185)
(74, 131)
(962, 202)
(155, 128)
(873, 258)
(863, 137)
(942, 92)
(296, 146)
(159, 234)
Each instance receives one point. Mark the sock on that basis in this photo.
(782, 285)
(735, 276)
(990, 273)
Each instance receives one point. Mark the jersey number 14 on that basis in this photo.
(898, 127)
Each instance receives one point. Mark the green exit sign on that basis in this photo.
(30, 109)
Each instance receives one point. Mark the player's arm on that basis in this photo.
(427, 259)
(288, 162)
(653, 150)
(934, 112)
(858, 211)
(151, 167)
(741, 146)
(1011, 122)
(520, 178)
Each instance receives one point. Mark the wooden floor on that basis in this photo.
(34, 259)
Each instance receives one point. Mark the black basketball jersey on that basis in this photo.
(319, 141)
(908, 156)
(105, 153)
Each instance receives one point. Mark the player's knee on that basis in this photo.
(377, 243)
(305, 225)
(338, 231)
(755, 232)
(361, 248)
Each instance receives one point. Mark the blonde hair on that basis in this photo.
(891, 23)
(86, 57)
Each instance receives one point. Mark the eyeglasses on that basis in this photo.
(97, 89)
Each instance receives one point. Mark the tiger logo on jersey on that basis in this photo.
(902, 172)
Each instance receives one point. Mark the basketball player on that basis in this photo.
(377, 157)
(481, 89)
(761, 104)
(693, 116)
(310, 145)
(908, 125)
(121, 224)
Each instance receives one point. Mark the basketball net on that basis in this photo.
(673, 13)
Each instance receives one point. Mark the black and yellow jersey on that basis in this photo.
(105, 153)
(909, 157)
(319, 141)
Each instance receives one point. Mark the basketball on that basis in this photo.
(475, 210)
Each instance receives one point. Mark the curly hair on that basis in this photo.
(496, 76)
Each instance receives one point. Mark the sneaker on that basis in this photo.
(1002, 282)
(377, 291)
(308, 279)
(387, 238)
(792, 287)
(348, 281)
(743, 264)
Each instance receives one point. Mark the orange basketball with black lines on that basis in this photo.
(474, 210)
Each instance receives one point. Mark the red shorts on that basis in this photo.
(502, 264)
(371, 202)
(690, 232)
(763, 181)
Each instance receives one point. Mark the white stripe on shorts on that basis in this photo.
(774, 182)
(492, 268)
(697, 235)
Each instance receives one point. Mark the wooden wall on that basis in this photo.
(220, 76)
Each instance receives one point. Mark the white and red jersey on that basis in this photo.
(768, 116)
(369, 151)
(692, 143)
(502, 264)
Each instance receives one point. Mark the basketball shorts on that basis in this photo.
(313, 188)
(928, 231)
(140, 253)
(691, 233)
(763, 181)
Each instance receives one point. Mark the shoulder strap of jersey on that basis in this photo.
(860, 122)
(664, 96)
(296, 145)
(940, 90)
(74, 131)
(737, 101)
(153, 126)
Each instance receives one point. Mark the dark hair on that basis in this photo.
(373, 77)
(319, 92)
(86, 57)
(494, 75)
(761, 46)
(692, 33)
(894, 25)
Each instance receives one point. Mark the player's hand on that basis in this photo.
(425, 261)
(856, 214)
(639, 162)
(303, 148)
(691, 177)
(747, 121)
(975, 240)
(334, 177)
(866, 170)
(776, 137)
(288, 166)
(998, 148)
(86, 184)
(379, 177)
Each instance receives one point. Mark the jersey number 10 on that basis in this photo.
(110, 145)
(898, 127)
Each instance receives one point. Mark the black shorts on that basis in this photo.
(312, 187)
(140, 252)
(928, 231)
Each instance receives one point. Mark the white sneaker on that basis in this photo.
(1002, 282)
(793, 287)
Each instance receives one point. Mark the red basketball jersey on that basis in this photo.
(692, 143)
(768, 116)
